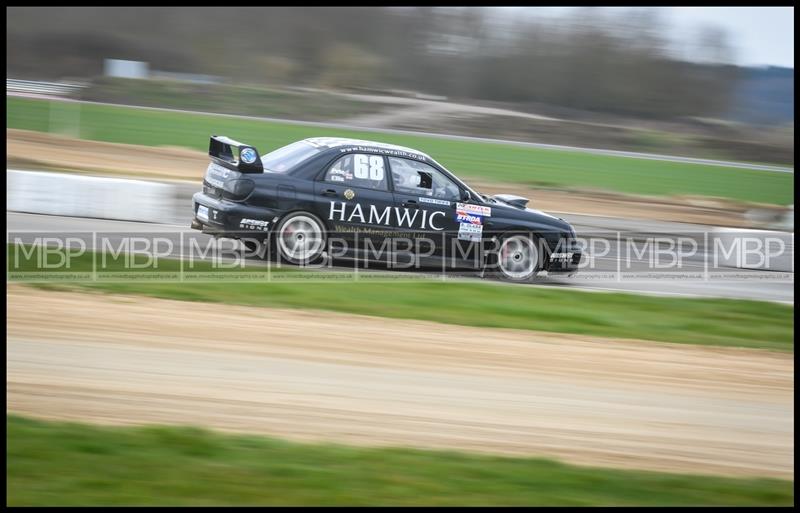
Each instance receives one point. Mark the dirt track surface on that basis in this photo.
(37, 150)
(52, 151)
(362, 380)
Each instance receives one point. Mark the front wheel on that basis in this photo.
(517, 258)
(300, 238)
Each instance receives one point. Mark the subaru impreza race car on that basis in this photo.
(330, 198)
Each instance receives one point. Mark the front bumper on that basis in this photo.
(230, 219)
(564, 262)
(565, 257)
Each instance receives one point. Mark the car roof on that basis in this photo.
(342, 142)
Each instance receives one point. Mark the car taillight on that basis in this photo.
(237, 189)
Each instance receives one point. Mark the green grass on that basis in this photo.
(720, 322)
(226, 99)
(470, 160)
(67, 464)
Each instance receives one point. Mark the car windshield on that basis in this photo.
(286, 158)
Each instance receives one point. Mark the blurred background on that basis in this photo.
(709, 82)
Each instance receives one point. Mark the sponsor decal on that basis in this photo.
(218, 170)
(216, 175)
(341, 228)
(394, 152)
(474, 209)
(561, 256)
(202, 212)
(464, 217)
(388, 216)
(349, 194)
(336, 178)
(434, 201)
(248, 155)
(341, 173)
(470, 232)
(254, 224)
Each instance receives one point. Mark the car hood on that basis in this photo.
(544, 216)
(541, 213)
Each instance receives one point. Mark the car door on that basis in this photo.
(353, 198)
(421, 187)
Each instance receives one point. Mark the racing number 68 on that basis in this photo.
(368, 166)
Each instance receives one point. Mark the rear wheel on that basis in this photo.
(300, 238)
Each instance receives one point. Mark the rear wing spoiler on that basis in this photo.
(234, 155)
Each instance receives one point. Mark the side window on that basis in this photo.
(412, 177)
(359, 170)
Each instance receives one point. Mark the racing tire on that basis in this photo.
(299, 238)
(517, 258)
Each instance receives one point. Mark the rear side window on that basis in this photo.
(288, 157)
(359, 170)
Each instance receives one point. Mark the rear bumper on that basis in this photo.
(230, 219)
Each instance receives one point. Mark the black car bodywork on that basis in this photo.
(367, 194)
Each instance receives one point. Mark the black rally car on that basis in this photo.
(328, 197)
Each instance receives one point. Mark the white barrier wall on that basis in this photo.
(88, 196)
(30, 86)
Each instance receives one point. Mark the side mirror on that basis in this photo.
(465, 195)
